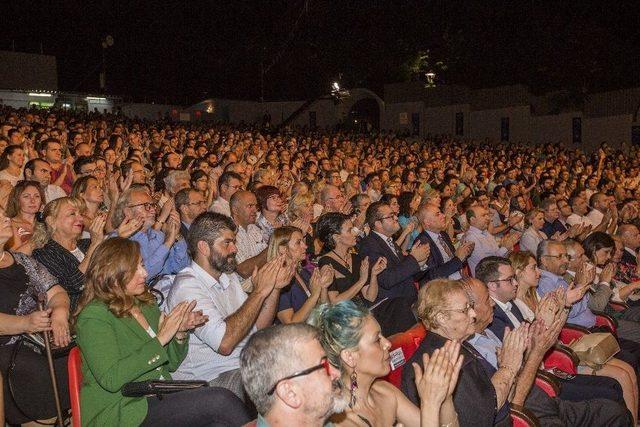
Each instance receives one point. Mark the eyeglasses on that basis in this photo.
(199, 203)
(324, 363)
(508, 279)
(147, 206)
(565, 256)
(394, 216)
(465, 310)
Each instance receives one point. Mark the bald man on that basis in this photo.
(630, 237)
(249, 240)
(445, 261)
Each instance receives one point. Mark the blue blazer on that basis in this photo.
(436, 267)
(397, 279)
(501, 320)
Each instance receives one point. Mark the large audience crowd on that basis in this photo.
(275, 266)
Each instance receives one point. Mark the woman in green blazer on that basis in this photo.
(123, 337)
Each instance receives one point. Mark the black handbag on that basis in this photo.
(159, 387)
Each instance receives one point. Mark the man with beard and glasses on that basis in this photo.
(210, 280)
(288, 377)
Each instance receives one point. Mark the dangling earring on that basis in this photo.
(354, 386)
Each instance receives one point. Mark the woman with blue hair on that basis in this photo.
(354, 344)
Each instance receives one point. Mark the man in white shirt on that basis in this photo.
(214, 348)
(228, 184)
(485, 243)
(250, 241)
(498, 275)
(40, 170)
(603, 214)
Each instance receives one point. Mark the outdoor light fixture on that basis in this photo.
(431, 78)
(95, 98)
(335, 87)
(43, 95)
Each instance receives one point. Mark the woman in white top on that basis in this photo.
(527, 274)
(11, 163)
(533, 235)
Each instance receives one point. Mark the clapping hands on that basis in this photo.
(439, 375)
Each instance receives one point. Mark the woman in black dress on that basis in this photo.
(59, 246)
(351, 281)
(28, 393)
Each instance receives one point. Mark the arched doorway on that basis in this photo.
(364, 115)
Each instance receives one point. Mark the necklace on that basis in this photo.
(345, 261)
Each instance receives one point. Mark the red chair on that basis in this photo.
(570, 333)
(562, 358)
(403, 345)
(547, 383)
(618, 306)
(74, 370)
(522, 417)
(603, 319)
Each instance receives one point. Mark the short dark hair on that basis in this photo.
(328, 225)
(226, 178)
(207, 227)
(31, 164)
(373, 213)
(82, 161)
(487, 268)
(182, 198)
(596, 241)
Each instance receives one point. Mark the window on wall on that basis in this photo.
(459, 124)
(576, 130)
(504, 129)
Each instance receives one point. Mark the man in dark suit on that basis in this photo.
(498, 276)
(189, 203)
(630, 237)
(445, 261)
(396, 282)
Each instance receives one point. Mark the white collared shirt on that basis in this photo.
(443, 252)
(386, 240)
(217, 299)
(507, 309)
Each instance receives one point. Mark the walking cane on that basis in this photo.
(42, 297)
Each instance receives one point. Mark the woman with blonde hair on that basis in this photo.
(533, 235)
(59, 246)
(25, 201)
(87, 189)
(124, 338)
(527, 275)
(306, 289)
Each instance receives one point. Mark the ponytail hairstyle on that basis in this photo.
(340, 327)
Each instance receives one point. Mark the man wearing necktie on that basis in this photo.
(497, 274)
(396, 282)
(445, 261)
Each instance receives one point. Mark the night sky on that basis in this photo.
(184, 51)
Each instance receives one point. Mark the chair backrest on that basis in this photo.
(522, 417)
(570, 333)
(403, 345)
(74, 370)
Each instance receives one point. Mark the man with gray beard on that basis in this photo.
(288, 377)
(214, 348)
